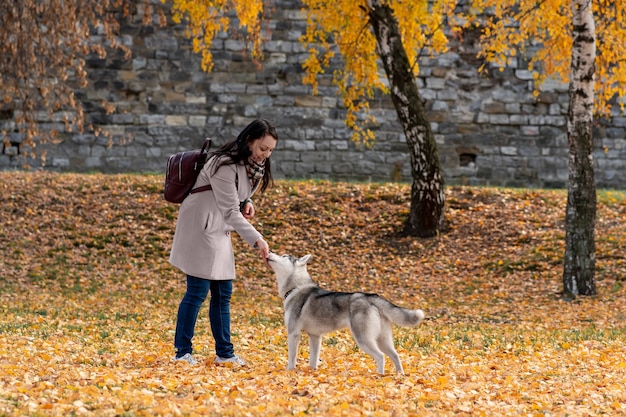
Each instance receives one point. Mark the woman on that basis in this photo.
(202, 248)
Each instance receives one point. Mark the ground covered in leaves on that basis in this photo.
(88, 305)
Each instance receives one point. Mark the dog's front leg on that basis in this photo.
(293, 342)
(315, 345)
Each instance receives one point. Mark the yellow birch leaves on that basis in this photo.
(342, 27)
(206, 19)
(340, 30)
(337, 29)
(542, 32)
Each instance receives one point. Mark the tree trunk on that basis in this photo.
(580, 251)
(427, 190)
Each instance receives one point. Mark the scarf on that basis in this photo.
(255, 171)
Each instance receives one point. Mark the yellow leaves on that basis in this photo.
(204, 23)
(313, 68)
(346, 23)
(442, 381)
(423, 26)
(542, 31)
(249, 14)
(88, 304)
(208, 18)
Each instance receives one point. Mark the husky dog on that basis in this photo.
(316, 311)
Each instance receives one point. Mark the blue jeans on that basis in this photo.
(219, 315)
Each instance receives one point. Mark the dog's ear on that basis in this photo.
(304, 260)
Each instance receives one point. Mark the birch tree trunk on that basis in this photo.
(580, 257)
(427, 190)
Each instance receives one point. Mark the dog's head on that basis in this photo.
(286, 264)
(287, 267)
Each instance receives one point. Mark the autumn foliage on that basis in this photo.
(88, 304)
(543, 33)
(44, 48)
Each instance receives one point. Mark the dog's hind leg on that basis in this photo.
(315, 345)
(385, 343)
(293, 343)
(369, 346)
(365, 326)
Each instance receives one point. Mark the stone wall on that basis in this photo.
(490, 128)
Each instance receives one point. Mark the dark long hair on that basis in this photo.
(237, 150)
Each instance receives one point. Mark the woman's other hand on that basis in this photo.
(248, 210)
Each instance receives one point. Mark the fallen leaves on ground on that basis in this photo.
(88, 304)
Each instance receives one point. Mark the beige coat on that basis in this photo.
(202, 246)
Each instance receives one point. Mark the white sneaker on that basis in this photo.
(187, 357)
(235, 359)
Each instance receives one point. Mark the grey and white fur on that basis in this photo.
(317, 311)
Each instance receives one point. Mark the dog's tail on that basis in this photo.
(398, 315)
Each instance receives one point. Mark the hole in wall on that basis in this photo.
(11, 148)
(467, 160)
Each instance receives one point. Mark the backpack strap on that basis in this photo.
(209, 187)
(200, 189)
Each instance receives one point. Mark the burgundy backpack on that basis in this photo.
(182, 171)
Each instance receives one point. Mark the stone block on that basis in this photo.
(339, 145)
(93, 162)
(151, 119)
(153, 152)
(308, 101)
(123, 119)
(237, 88)
(528, 151)
(256, 89)
(297, 90)
(492, 107)
(518, 119)
(482, 118)
(83, 151)
(538, 120)
(177, 120)
(134, 151)
(329, 102)
(510, 96)
(555, 109)
(554, 85)
(197, 121)
(439, 105)
(342, 168)
(435, 83)
(227, 98)
(428, 94)
(499, 119)
(234, 45)
(530, 130)
(512, 108)
(522, 74)
(618, 121)
(437, 116)
(509, 150)
(297, 145)
(195, 98)
(556, 120)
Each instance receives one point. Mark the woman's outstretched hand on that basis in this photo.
(263, 249)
